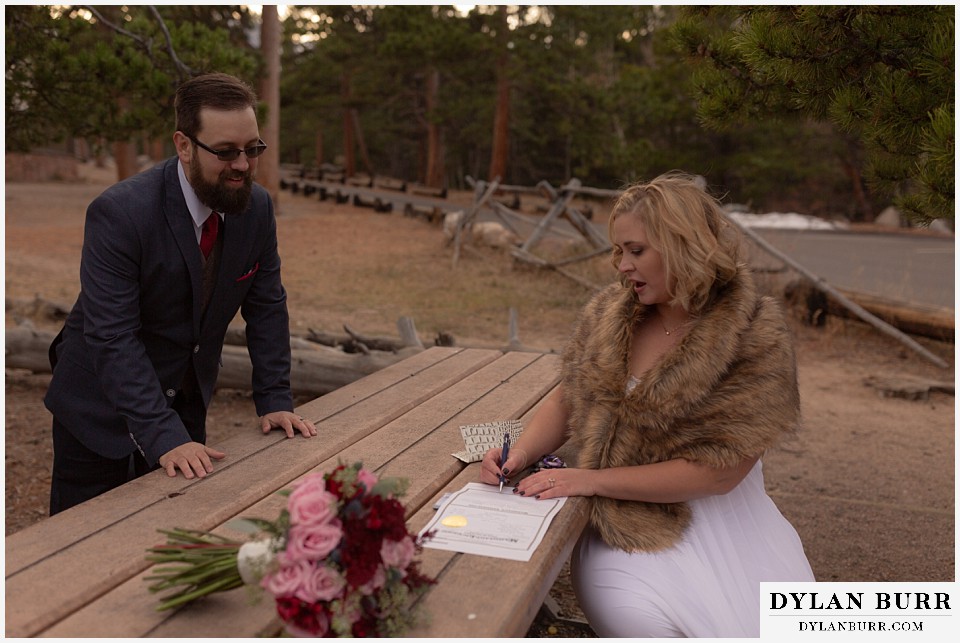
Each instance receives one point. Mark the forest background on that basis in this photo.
(831, 111)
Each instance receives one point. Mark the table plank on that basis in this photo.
(55, 584)
(43, 539)
(393, 422)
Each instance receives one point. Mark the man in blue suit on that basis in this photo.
(169, 257)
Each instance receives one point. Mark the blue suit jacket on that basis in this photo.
(136, 327)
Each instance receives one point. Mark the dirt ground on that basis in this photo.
(869, 484)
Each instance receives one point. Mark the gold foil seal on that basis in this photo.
(454, 521)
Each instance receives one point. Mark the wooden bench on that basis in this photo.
(80, 573)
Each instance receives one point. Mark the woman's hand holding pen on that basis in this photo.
(548, 483)
(490, 470)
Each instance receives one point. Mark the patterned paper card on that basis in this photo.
(480, 438)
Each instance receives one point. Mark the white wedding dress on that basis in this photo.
(708, 585)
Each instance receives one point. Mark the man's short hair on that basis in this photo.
(217, 91)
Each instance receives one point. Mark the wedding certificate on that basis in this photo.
(480, 519)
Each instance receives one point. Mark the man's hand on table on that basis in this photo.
(289, 422)
(192, 458)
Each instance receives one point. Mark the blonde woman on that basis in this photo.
(675, 382)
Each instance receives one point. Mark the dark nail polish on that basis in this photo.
(515, 490)
(521, 493)
(506, 472)
(537, 496)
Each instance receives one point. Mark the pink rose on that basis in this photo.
(324, 584)
(397, 554)
(288, 579)
(310, 503)
(312, 542)
(367, 479)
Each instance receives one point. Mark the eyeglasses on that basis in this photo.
(233, 153)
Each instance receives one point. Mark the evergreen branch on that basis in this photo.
(120, 30)
(185, 72)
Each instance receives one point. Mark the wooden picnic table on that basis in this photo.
(81, 572)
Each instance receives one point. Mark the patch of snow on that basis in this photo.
(790, 220)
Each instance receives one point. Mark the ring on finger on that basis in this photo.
(552, 482)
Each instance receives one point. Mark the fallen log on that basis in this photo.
(360, 180)
(351, 342)
(432, 214)
(378, 204)
(314, 371)
(387, 183)
(37, 308)
(426, 190)
(917, 319)
(907, 387)
(26, 347)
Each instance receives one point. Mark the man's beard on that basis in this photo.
(218, 196)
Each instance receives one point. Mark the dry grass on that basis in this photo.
(346, 265)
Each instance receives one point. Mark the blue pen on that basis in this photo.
(503, 456)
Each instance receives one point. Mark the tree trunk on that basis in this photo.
(268, 169)
(361, 144)
(125, 156)
(99, 156)
(435, 153)
(851, 167)
(498, 155)
(124, 152)
(158, 150)
(318, 148)
(314, 371)
(346, 95)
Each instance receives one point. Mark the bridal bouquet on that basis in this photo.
(338, 561)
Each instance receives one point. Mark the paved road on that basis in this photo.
(910, 268)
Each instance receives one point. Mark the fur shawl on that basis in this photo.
(727, 391)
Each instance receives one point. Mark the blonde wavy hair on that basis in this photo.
(700, 248)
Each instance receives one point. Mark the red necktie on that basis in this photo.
(208, 236)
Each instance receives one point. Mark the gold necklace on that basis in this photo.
(667, 330)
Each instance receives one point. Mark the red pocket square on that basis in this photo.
(250, 272)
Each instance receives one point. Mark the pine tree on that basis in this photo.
(108, 75)
(883, 74)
